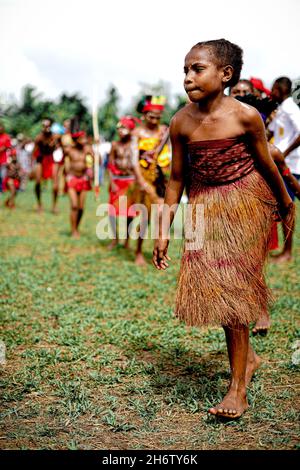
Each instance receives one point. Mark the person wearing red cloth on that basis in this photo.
(44, 146)
(124, 172)
(12, 180)
(78, 177)
(5, 145)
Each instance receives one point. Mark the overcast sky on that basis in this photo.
(75, 45)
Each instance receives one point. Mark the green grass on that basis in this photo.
(96, 359)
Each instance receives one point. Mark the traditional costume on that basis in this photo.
(79, 183)
(13, 173)
(155, 170)
(83, 182)
(222, 280)
(44, 155)
(122, 176)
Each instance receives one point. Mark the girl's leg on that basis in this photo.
(74, 211)
(235, 401)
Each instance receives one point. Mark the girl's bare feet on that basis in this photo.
(232, 406)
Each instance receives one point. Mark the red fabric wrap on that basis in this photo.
(274, 243)
(219, 161)
(7, 179)
(124, 187)
(81, 183)
(47, 167)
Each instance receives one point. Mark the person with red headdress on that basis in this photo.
(78, 177)
(154, 157)
(124, 173)
(259, 88)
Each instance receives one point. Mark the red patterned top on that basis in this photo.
(222, 161)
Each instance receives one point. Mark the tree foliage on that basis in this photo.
(25, 117)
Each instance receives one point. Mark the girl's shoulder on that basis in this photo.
(245, 112)
(187, 113)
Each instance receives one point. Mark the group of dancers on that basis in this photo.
(236, 155)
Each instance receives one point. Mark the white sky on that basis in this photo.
(75, 45)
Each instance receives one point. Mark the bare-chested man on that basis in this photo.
(78, 179)
(45, 144)
(125, 174)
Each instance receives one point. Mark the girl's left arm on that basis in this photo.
(255, 130)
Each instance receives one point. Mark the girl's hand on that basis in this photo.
(160, 258)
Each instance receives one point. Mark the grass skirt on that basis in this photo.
(223, 281)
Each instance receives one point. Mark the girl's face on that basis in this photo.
(203, 77)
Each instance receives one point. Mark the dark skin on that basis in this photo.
(119, 158)
(46, 138)
(279, 94)
(210, 116)
(150, 128)
(77, 167)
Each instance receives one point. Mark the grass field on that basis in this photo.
(96, 359)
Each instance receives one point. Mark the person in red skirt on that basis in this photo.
(45, 145)
(78, 177)
(125, 174)
(12, 180)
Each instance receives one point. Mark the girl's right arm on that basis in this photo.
(173, 196)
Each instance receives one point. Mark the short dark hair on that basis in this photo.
(284, 83)
(226, 53)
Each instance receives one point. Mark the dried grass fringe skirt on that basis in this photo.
(223, 282)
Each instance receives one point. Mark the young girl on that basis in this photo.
(220, 153)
